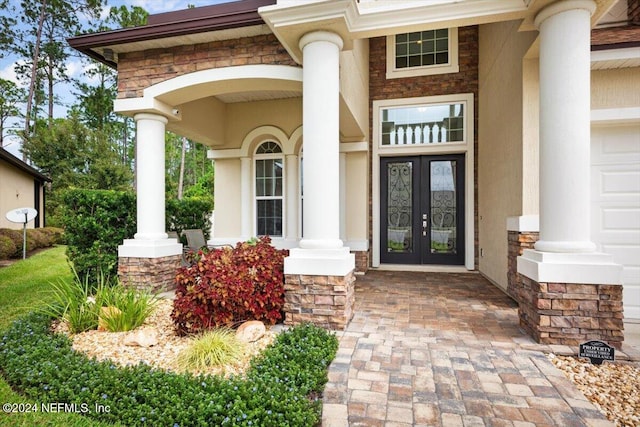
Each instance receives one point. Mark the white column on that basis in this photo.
(246, 200)
(565, 253)
(151, 240)
(343, 196)
(565, 123)
(321, 251)
(320, 119)
(292, 197)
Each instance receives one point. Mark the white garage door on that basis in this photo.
(615, 203)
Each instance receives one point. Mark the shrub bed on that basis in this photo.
(280, 388)
(230, 285)
(37, 238)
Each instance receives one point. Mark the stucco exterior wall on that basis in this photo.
(616, 88)
(354, 92)
(16, 191)
(357, 202)
(500, 153)
(242, 117)
(228, 203)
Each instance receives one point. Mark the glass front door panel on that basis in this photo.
(399, 207)
(443, 207)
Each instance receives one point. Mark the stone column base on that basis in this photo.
(518, 242)
(569, 313)
(325, 301)
(151, 274)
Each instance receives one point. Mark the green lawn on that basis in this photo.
(24, 286)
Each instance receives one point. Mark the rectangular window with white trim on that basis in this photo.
(422, 53)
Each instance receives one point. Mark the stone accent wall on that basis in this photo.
(518, 242)
(325, 301)
(464, 81)
(139, 70)
(569, 314)
(362, 261)
(151, 274)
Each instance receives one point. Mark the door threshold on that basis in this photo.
(424, 268)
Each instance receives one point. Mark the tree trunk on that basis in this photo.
(34, 72)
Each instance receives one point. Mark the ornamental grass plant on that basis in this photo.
(216, 347)
(79, 302)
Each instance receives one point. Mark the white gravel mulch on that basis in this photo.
(614, 388)
(109, 345)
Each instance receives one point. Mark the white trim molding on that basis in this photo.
(524, 223)
(615, 115)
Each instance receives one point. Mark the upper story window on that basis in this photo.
(422, 53)
(269, 185)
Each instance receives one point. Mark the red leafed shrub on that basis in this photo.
(230, 285)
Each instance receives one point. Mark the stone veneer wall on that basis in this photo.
(151, 274)
(464, 81)
(325, 301)
(569, 314)
(518, 242)
(139, 70)
(362, 261)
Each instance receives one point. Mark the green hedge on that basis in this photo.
(188, 213)
(37, 238)
(95, 223)
(281, 387)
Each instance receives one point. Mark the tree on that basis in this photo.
(42, 44)
(10, 96)
(96, 96)
(7, 24)
(73, 155)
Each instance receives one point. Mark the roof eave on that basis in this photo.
(227, 16)
(14, 161)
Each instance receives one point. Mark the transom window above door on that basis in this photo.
(423, 124)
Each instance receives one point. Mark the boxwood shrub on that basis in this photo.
(281, 387)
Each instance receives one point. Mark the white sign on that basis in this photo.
(21, 215)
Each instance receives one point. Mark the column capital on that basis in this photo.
(321, 36)
(150, 116)
(561, 6)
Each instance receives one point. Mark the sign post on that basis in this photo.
(22, 216)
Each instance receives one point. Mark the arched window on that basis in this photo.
(269, 186)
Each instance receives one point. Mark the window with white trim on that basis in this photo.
(422, 53)
(269, 185)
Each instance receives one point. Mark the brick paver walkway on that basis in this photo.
(431, 349)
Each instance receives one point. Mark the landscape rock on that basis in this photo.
(251, 331)
(143, 337)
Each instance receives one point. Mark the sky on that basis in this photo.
(75, 66)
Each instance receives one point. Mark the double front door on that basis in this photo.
(422, 210)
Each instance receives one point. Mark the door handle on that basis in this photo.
(424, 224)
